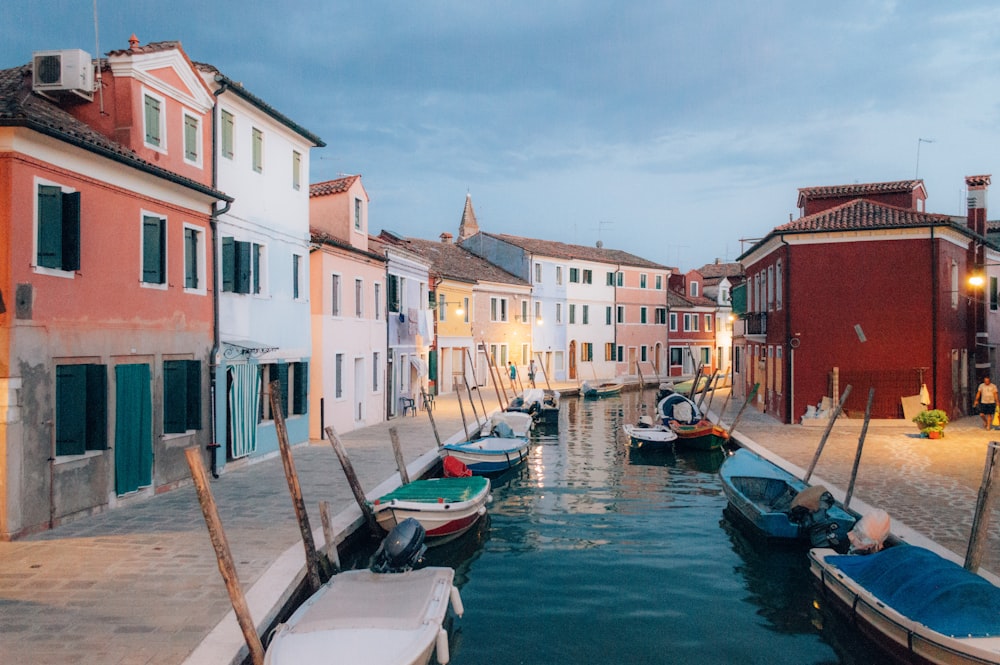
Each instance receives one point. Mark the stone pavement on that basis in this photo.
(140, 584)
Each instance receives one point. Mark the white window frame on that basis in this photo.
(200, 259)
(336, 294)
(197, 161)
(43, 270)
(143, 214)
(162, 147)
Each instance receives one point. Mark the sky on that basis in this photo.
(676, 130)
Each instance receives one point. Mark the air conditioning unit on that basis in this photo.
(65, 72)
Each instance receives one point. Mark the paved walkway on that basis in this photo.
(140, 584)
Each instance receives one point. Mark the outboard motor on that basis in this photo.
(809, 511)
(401, 550)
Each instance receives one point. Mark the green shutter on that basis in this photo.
(193, 394)
(190, 138)
(152, 108)
(242, 268)
(152, 250)
(191, 258)
(300, 388)
(227, 134)
(71, 409)
(50, 232)
(283, 381)
(255, 272)
(174, 397)
(71, 231)
(97, 407)
(228, 264)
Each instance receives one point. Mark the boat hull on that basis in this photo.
(761, 494)
(361, 616)
(491, 454)
(650, 438)
(904, 638)
(445, 507)
(701, 436)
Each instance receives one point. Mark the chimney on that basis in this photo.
(446, 238)
(133, 42)
(977, 186)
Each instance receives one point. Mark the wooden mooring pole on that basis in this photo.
(984, 509)
(223, 555)
(331, 547)
(861, 443)
(427, 407)
(312, 558)
(397, 451)
(352, 480)
(826, 434)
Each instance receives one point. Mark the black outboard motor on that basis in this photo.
(809, 511)
(401, 550)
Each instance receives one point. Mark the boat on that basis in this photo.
(779, 506)
(646, 435)
(445, 507)
(388, 614)
(917, 605)
(504, 446)
(541, 405)
(693, 429)
(606, 389)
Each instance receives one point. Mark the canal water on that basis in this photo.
(591, 554)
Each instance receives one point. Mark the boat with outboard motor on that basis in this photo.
(504, 446)
(445, 507)
(388, 614)
(693, 429)
(646, 435)
(605, 389)
(541, 404)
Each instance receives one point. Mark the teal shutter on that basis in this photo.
(50, 232)
(97, 407)
(152, 108)
(228, 264)
(191, 258)
(255, 271)
(193, 394)
(71, 231)
(300, 388)
(71, 409)
(133, 428)
(242, 268)
(190, 138)
(152, 250)
(174, 397)
(283, 382)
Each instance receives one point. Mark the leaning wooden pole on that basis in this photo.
(472, 402)
(542, 367)
(397, 452)
(725, 404)
(427, 407)
(223, 555)
(489, 367)
(475, 380)
(711, 389)
(826, 434)
(708, 384)
(861, 443)
(332, 553)
(461, 412)
(984, 509)
(739, 414)
(694, 383)
(352, 480)
(312, 558)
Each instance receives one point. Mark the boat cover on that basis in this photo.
(436, 490)
(928, 589)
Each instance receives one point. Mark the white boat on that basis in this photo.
(505, 445)
(391, 617)
(445, 507)
(916, 605)
(645, 435)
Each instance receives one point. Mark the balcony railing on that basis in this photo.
(755, 323)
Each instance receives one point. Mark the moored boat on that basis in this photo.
(693, 429)
(920, 607)
(779, 506)
(645, 435)
(445, 507)
(505, 446)
(541, 404)
(605, 389)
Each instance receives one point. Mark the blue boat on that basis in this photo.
(779, 506)
(504, 446)
(915, 604)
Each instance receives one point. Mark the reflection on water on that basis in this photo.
(595, 554)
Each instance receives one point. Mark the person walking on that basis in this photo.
(513, 376)
(986, 400)
(531, 373)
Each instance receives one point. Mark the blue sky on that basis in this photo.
(672, 130)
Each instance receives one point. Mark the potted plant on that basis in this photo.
(931, 423)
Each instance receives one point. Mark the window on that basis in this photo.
(338, 377)
(538, 312)
(258, 150)
(609, 351)
(296, 276)
(574, 275)
(585, 314)
(607, 315)
(525, 354)
(227, 134)
(538, 273)
(154, 250)
(191, 138)
(359, 295)
(559, 275)
(673, 321)
(357, 214)
(335, 296)
(693, 290)
(777, 285)
(237, 265)
(393, 294)
(993, 293)
(642, 353)
(442, 307)
(708, 323)
(58, 228)
(181, 396)
(770, 288)
(300, 387)
(660, 314)
(498, 309)
(296, 170)
(375, 371)
(559, 312)
(153, 120)
(378, 302)
(293, 388)
(621, 353)
(642, 314)
(258, 268)
(588, 276)
(465, 309)
(81, 408)
(642, 280)
(586, 351)
(690, 323)
(572, 313)
(676, 356)
(620, 316)
(524, 310)
(194, 259)
(611, 279)
(659, 282)
(706, 355)
(621, 279)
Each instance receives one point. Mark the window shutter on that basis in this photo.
(283, 381)
(152, 250)
(227, 134)
(71, 409)
(174, 397)
(193, 394)
(190, 138)
(242, 265)
(228, 264)
(191, 258)
(301, 388)
(97, 407)
(152, 121)
(49, 226)
(71, 231)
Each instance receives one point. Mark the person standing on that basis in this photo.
(531, 373)
(986, 400)
(513, 376)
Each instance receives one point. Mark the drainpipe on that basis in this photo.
(786, 305)
(216, 342)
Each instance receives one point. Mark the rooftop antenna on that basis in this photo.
(916, 173)
(97, 53)
(600, 225)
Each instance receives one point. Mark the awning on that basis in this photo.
(247, 348)
(420, 364)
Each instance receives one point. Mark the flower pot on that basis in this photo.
(934, 434)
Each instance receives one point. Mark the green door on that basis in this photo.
(133, 428)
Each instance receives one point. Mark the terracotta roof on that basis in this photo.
(562, 250)
(338, 186)
(677, 301)
(719, 270)
(858, 190)
(862, 214)
(324, 238)
(20, 107)
(451, 261)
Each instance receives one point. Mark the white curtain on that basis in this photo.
(244, 406)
